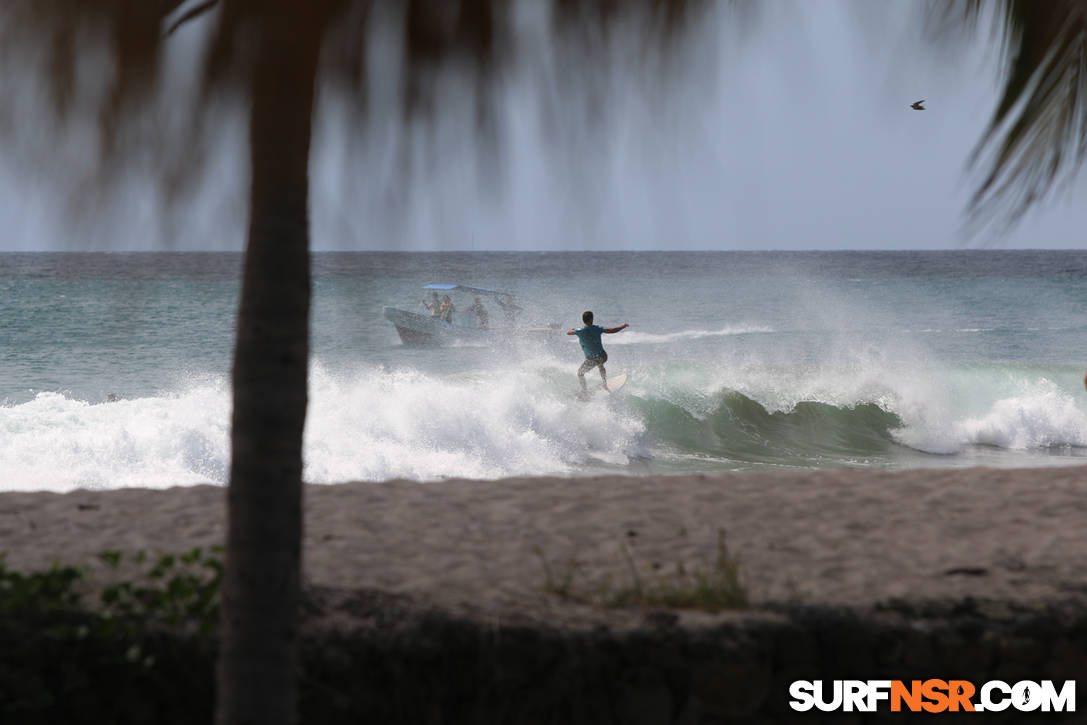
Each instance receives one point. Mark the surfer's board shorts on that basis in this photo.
(592, 362)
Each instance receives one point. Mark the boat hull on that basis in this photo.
(416, 329)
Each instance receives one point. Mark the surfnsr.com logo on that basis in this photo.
(932, 696)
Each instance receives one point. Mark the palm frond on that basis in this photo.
(1036, 139)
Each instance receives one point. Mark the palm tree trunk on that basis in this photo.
(263, 559)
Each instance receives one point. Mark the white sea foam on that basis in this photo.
(58, 443)
(372, 424)
(378, 424)
(1038, 415)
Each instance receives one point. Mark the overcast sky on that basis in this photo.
(791, 132)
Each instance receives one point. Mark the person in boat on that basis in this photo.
(509, 308)
(445, 312)
(595, 357)
(434, 305)
(481, 313)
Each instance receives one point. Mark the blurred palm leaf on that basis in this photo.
(1037, 136)
(474, 37)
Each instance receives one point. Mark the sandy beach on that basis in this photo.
(852, 537)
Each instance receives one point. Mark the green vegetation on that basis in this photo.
(144, 652)
(713, 589)
(178, 591)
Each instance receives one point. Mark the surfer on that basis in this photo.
(589, 337)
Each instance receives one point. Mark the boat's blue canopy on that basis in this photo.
(464, 288)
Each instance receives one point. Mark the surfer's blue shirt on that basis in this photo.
(590, 340)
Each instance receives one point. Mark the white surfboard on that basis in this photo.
(615, 382)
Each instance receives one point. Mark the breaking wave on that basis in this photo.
(378, 423)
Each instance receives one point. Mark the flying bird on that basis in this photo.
(916, 105)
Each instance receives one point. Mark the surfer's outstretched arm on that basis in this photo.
(571, 332)
(613, 329)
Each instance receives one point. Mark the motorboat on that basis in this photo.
(501, 319)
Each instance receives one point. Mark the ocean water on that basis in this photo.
(737, 361)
